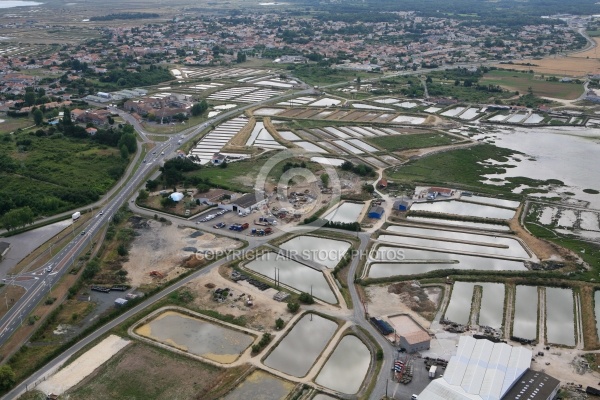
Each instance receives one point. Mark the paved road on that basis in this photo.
(60, 263)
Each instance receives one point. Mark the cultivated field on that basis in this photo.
(521, 82)
(576, 64)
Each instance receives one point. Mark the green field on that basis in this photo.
(522, 81)
(243, 174)
(414, 141)
(462, 168)
(51, 174)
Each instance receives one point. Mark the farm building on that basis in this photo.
(376, 212)
(415, 341)
(382, 183)
(401, 205)
(483, 370)
(246, 203)
(218, 159)
(434, 192)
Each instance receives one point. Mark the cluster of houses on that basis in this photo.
(161, 107)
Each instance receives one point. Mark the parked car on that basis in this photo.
(219, 225)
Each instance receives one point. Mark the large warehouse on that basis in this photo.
(483, 370)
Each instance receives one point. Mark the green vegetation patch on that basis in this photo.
(415, 141)
(51, 174)
(462, 168)
(591, 191)
(322, 75)
(540, 85)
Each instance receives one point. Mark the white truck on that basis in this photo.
(76, 216)
(432, 371)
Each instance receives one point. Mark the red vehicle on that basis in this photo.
(244, 226)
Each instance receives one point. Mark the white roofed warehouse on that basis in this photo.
(483, 370)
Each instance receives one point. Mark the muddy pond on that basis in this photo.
(196, 336)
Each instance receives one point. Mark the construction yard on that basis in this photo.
(170, 251)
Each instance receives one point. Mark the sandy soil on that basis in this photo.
(260, 316)
(160, 248)
(75, 372)
(381, 302)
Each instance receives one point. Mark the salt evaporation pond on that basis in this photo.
(459, 307)
(345, 370)
(299, 349)
(346, 213)
(415, 261)
(515, 250)
(579, 148)
(560, 320)
(526, 312)
(202, 338)
(492, 201)
(469, 114)
(512, 247)
(456, 207)
(461, 224)
(453, 112)
(310, 147)
(293, 274)
(327, 252)
(261, 385)
(491, 312)
(336, 162)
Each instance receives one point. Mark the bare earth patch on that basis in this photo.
(161, 248)
(75, 372)
(260, 316)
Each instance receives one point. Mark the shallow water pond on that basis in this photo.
(294, 274)
(261, 386)
(345, 370)
(347, 212)
(463, 208)
(491, 312)
(327, 252)
(203, 338)
(300, 348)
(526, 312)
(459, 307)
(560, 320)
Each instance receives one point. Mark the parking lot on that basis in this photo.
(230, 218)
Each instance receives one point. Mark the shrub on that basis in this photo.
(293, 307)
